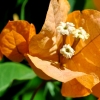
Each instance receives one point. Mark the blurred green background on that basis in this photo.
(17, 80)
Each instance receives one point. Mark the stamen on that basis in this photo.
(67, 51)
(65, 28)
(80, 33)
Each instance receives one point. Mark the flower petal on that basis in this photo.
(52, 69)
(89, 20)
(57, 12)
(87, 54)
(44, 47)
(74, 89)
(96, 90)
(24, 28)
(87, 81)
(87, 60)
(13, 45)
(83, 84)
(46, 43)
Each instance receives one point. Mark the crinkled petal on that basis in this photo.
(57, 12)
(86, 58)
(13, 46)
(89, 20)
(47, 42)
(52, 69)
(24, 28)
(44, 47)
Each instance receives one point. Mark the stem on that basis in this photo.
(75, 42)
(37, 89)
(22, 17)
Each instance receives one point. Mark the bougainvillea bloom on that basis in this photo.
(14, 39)
(81, 72)
(70, 54)
(86, 57)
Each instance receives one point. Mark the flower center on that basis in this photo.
(67, 51)
(67, 29)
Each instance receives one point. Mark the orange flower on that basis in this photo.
(69, 54)
(86, 58)
(14, 39)
(79, 73)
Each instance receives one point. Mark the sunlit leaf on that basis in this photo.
(10, 71)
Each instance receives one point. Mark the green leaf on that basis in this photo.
(22, 15)
(39, 95)
(28, 89)
(20, 2)
(10, 71)
(52, 91)
(90, 97)
(72, 3)
(51, 88)
(68, 98)
(89, 4)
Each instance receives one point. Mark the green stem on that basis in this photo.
(22, 17)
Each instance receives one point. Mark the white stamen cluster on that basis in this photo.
(65, 28)
(67, 51)
(80, 33)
